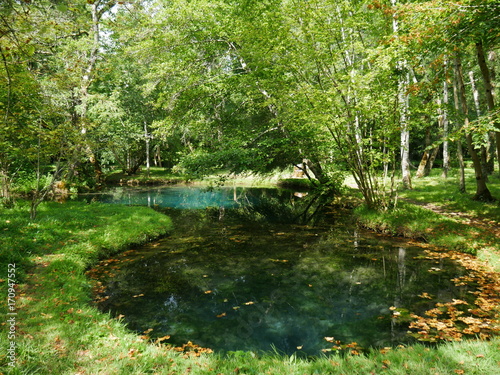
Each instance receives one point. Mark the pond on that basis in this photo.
(268, 269)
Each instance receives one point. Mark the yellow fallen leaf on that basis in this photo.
(425, 295)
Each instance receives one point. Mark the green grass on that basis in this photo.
(60, 332)
(415, 222)
(452, 229)
(296, 183)
(56, 324)
(156, 176)
(445, 193)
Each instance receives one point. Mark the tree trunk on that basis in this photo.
(488, 90)
(443, 122)
(460, 153)
(6, 196)
(405, 157)
(430, 162)
(316, 168)
(146, 137)
(421, 167)
(403, 82)
(461, 167)
(484, 150)
(425, 157)
(482, 192)
(94, 160)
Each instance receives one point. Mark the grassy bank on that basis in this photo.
(160, 176)
(434, 211)
(59, 332)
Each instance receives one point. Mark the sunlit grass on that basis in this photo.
(445, 192)
(55, 319)
(159, 175)
(452, 231)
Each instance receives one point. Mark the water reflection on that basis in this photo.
(269, 204)
(254, 273)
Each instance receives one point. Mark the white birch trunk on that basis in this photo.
(403, 112)
(443, 116)
(146, 137)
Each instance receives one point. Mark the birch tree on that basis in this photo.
(403, 100)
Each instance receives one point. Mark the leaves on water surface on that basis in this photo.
(425, 295)
(279, 260)
(453, 320)
(353, 347)
(160, 339)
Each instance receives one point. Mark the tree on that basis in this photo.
(447, 30)
(482, 191)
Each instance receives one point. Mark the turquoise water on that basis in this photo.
(257, 269)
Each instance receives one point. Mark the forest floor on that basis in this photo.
(485, 223)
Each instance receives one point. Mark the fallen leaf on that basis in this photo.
(425, 295)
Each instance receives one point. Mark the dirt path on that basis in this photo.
(485, 224)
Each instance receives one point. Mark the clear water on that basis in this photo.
(256, 269)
